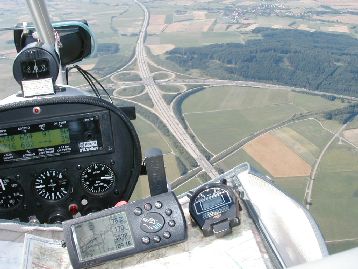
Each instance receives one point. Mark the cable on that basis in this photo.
(87, 78)
(90, 82)
(96, 80)
(100, 84)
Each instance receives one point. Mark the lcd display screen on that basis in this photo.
(103, 236)
(50, 139)
(34, 140)
(217, 200)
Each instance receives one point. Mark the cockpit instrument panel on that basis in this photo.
(65, 156)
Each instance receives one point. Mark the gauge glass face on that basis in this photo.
(52, 185)
(35, 69)
(209, 198)
(97, 178)
(209, 194)
(11, 193)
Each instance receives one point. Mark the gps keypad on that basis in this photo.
(156, 221)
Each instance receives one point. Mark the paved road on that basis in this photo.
(160, 106)
(241, 83)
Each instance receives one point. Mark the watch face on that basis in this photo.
(210, 198)
(210, 204)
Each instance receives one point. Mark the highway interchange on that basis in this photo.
(162, 109)
(166, 114)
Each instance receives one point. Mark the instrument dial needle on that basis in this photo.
(2, 185)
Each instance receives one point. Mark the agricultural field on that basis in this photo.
(352, 136)
(285, 154)
(307, 138)
(126, 76)
(335, 190)
(196, 23)
(276, 157)
(190, 184)
(222, 116)
(151, 138)
(129, 91)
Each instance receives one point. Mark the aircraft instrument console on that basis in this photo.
(66, 155)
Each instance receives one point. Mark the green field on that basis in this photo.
(130, 91)
(144, 99)
(335, 195)
(127, 76)
(221, 116)
(239, 157)
(353, 124)
(149, 137)
(295, 187)
(161, 75)
(187, 39)
(171, 88)
(189, 185)
(141, 190)
(307, 138)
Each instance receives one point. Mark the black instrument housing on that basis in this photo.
(121, 152)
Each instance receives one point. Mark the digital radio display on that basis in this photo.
(36, 140)
(50, 139)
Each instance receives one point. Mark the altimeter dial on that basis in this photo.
(11, 193)
(97, 178)
(52, 185)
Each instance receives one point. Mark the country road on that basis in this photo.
(308, 193)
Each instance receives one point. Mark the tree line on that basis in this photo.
(313, 60)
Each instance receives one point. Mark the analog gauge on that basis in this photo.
(97, 178)
(11, 193)
(52, 185)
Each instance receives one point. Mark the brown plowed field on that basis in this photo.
(277, 158)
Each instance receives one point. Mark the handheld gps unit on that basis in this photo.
(119, 232)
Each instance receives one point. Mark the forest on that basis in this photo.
(316, 61)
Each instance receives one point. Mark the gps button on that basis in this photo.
(152, 222)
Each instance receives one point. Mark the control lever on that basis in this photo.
(156, 172)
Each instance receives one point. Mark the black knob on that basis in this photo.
(57, 217)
